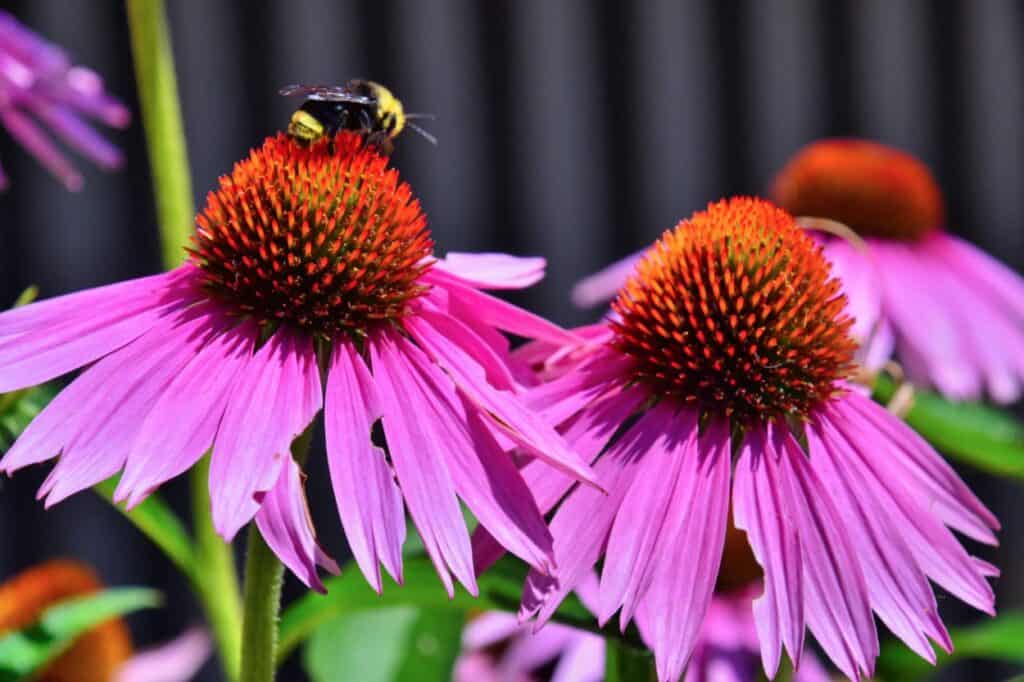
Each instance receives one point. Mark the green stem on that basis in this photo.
(161, 117)
(263, 577)
(624, 663)
(218, 578)
(262, 595)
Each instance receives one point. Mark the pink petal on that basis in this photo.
(275, 399)
(586, 435)
(935, 549)
(98, 437)
(563, 397)
(488, 629)
(369, 501)
(638, 536)
(473, 304)
(979, 269)
(183, 421)
(683, 583)
(604, 285)
(285, 524)
(761, 492)
(45, 340)
(857, 272)
(523, 426)
(583, 521)
(31, 137)
(492, 270)
(419, 459)
(917, 462)
(583, 661)
(176, 661)
(898, 589)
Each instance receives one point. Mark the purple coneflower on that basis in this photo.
(953, 314)
(39, 84)
(724, 369)
(311, 283)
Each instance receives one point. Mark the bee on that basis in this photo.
(359, 105)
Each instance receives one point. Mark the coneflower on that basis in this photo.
(311, 284)
(721, 377)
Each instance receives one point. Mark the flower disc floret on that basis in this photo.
(323, 236)
(876, 190)
(734, 311)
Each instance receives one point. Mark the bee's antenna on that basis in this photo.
(427, 136)
(428, 117)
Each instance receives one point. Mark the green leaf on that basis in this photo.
(161, 525)
(985, 437)
(25, 651)
(398, 644)
(18, 408)
(999, 639)
(500, 590)
(623, 663)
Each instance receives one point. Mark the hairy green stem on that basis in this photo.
(161, 117)
(262, 595)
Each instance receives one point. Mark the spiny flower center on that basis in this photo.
(324, 237)
(876, 190)
(734, 311)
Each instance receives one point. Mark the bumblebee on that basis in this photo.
(359, 105)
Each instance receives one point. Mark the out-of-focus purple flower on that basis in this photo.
(39, 85)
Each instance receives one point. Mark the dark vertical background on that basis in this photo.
(569, 129)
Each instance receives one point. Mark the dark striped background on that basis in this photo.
(573, 130)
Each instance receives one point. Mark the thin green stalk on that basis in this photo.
(218, 578)
(161, 117)
(262, 595)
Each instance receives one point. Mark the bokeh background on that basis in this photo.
(569, 129)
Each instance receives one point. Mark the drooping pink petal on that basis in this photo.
(100, 430)
(684, 580)
(29, 135)
(836, 596)
(285, 524)
(369, 501)
(761, 490)
(420, 460)
(183, 421)
(639, 536)
(565, 396)
(492, 270)
(913, 459)
(587, 435)
(275, 399)
(898, 588)
(910, 507)
(489, 629)
(582, 523)
(45, 340)
(917, 305)
(465, 301)
(176, 661)
(980, 269)
(603, 285)
(514, 420)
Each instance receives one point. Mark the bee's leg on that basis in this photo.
(381, 141)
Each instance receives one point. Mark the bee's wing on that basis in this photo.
(331, 93)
